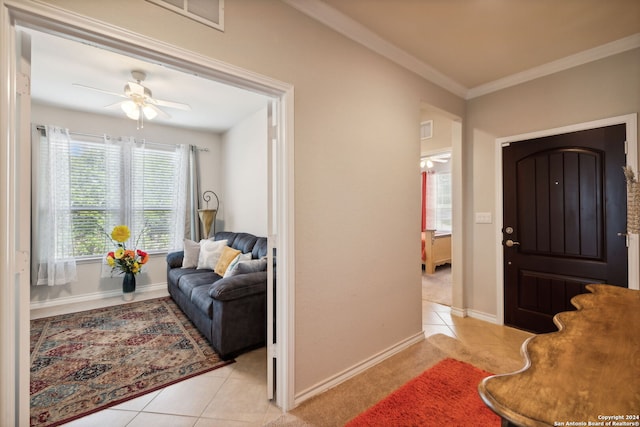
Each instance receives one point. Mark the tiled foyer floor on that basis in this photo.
(235, 395)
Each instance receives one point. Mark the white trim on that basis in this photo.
(55, 20)
(352, 29)
(158, 288)
(357, 32)
(631, 122)
(357, 368)
(14, 379)
(459, 312)
(480, 315)
(285, 298)
(580, 58)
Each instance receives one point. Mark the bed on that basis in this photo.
(436, 249)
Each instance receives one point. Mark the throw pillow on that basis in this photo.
(210, 252)
(234, 263)
(226, 258)
(250, 266)
(191, 254)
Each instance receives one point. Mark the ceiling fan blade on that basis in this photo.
(100, 90)
(158, 110)
(115, 104)
(170, 104)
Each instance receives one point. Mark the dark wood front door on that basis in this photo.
(564, 225)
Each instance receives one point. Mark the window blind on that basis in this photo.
(113, 183)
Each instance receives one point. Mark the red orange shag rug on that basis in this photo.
(444, 395)
(85, 362)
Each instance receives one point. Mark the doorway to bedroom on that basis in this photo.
(437, 133)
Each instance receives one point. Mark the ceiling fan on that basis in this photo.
(437, 158)
(139, 102)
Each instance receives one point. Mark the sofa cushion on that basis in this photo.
(229, 236)
(188, 282)
(175, 274)
(244, 242)
(210, 252)
(201, 299)
(260, 248)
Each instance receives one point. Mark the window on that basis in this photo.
(443, 202)
(120, 182)
(436, 192)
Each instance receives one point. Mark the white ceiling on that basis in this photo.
(469, 47)
(58, 63)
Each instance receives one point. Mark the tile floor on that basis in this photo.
(235, 395)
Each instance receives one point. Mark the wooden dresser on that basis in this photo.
(436, 249)
(587, 372)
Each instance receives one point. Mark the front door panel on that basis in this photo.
(564, 222)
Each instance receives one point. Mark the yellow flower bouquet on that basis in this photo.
(123, 259)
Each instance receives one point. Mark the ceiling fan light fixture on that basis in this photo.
(131, 110)
(149, 112)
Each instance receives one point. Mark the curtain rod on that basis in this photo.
(42, 129)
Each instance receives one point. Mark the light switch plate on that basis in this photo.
(483, 218)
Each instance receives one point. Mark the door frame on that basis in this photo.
(630, 121)
(14, 306)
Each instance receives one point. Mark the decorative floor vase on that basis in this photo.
(128, 286)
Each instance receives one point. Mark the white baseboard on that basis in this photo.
(356, 369)
(491, 318)
(73, 304)
(460, 312)
(475, 314)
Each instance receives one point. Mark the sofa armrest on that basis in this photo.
(239, 286)
(174, 259)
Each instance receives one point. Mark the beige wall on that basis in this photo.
(357, 210)
(606, 88)
(244, 166)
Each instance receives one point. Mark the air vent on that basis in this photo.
(426, 129)
(208, 12)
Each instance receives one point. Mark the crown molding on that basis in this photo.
(346, 26)
(357, 32)
(580, 58)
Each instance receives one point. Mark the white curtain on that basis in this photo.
(117, 202)
(182, 179)
(55, 255)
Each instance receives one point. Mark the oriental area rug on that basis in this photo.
(88, 361)
(444, 395)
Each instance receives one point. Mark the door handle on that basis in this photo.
(510, 243)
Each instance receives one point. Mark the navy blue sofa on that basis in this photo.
(230, 312)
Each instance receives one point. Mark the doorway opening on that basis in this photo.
(440, 135)
(56, 21)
